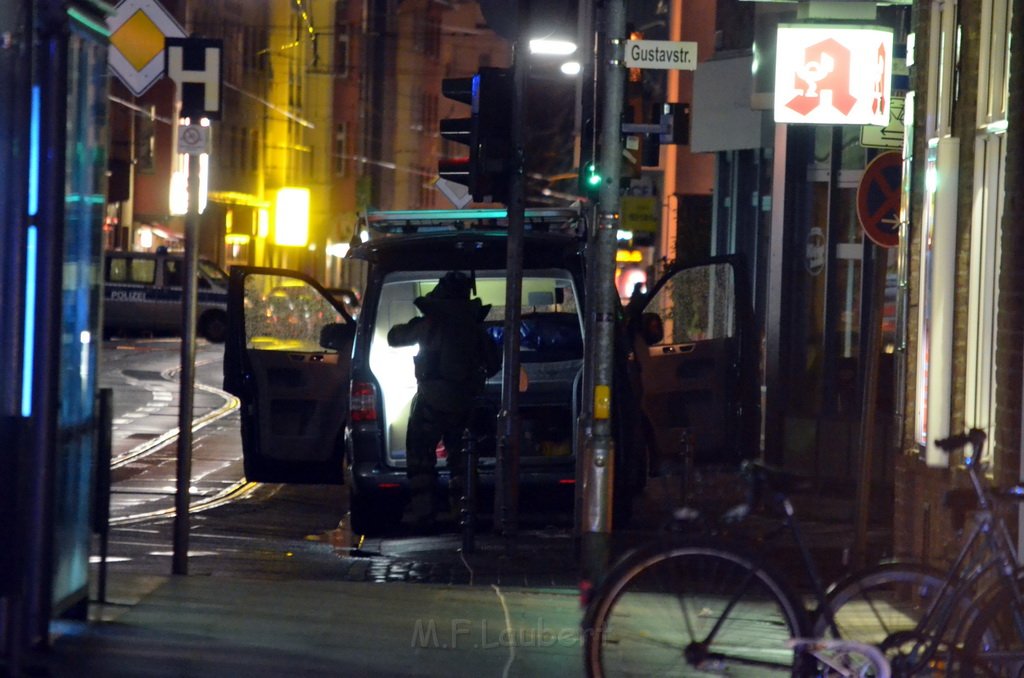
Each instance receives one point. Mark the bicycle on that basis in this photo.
(967, 620)
(694, 605)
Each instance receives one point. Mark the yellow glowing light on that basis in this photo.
(338, 249)
(629, 256)
(291, 217)
(178, 194)
(236, 239)
(262, 223)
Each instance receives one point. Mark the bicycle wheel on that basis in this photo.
(994, 641)
(885, 605)
(691, 608)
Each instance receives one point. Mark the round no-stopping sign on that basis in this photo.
(878, 199)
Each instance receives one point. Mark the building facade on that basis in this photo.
(337, 98)
(857, 414)
(965, 317)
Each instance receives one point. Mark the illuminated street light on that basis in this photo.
(552, 46)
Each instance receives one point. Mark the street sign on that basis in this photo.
(890, 136)
(195, 65)
(878, 199)
(137, 32)
(457, 194)
(193, 139)
(661, 54)
(639, 214)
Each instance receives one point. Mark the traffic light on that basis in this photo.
(461, 130)
(590, 177)
(488, 134)
(590, 180)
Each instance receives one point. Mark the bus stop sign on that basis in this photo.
(878, 199)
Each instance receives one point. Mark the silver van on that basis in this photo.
(142, 292)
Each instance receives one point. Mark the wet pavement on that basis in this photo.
(276, 586)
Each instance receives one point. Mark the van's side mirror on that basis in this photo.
(337, 336)
(651, 328)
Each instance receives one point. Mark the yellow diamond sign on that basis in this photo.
(137, 32)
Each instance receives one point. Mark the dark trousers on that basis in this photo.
(427, 426)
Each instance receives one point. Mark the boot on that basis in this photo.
(419, 513)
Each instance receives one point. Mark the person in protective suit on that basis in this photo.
(455, 358)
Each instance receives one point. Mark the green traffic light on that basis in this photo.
(593, 177)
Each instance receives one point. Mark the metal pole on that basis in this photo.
(586, 107)
(869, 396)
(599, 456)
(186, 385)
(101, 484)
(506, 495)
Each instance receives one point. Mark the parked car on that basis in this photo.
(142, 292)
(332, 405)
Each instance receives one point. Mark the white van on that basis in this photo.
(142, 292)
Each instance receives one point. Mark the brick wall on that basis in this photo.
(1011, 279)
(922, 530)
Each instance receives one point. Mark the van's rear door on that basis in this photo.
(697, 359)
(288, 359)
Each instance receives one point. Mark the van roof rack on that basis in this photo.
(551, 219)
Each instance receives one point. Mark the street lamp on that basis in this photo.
(555, 45)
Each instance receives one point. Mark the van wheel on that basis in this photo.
(213, 327)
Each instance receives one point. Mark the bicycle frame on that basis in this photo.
(959, 584)
(984, 568)
(818, 648)
(749, 579)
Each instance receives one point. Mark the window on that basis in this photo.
(117, 270)
(173, 275)
(696, 305)
(341, 150)
(341, 47)
(142, 271)
(254, 150)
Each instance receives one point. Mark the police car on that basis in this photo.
(142, 292)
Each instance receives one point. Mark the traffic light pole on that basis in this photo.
(599, 450)
(506, 496)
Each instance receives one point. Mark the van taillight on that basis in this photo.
(363, 402)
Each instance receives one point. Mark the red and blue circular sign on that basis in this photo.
(878, 199)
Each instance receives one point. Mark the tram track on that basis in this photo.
(234, 491)
(231, 403)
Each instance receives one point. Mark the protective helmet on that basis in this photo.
(453, 285)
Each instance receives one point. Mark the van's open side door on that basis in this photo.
(697, 359)
(288, 359)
